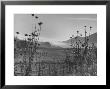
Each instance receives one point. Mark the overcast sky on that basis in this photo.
(56, 27)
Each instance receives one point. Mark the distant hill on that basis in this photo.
(60, 44)
(18, 43)
(66, 44)
(48, 45)
(92, 39)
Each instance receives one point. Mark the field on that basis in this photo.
(55, 62)
(55, 45)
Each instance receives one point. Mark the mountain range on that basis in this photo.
(66, 44)
(62, 44)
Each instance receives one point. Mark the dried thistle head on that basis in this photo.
(36, 17)
(17, 33)
(40, 23)
(85, 26)
(70, 37)
(32, 14)
(77, 32)
(90, 27)
(26, 34)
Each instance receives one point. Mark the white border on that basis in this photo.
(100, 10)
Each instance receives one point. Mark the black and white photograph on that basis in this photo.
(55, 44)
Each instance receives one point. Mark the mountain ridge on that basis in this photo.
(66, 44)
